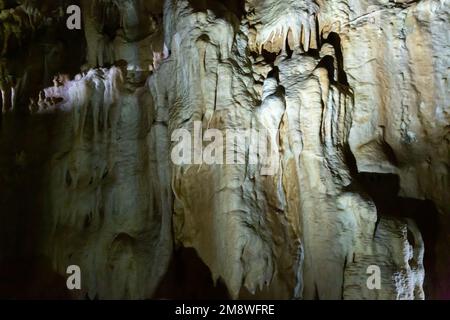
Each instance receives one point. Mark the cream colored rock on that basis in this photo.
(396, 56)
(109, 208)
(322, 225)
(355, 96)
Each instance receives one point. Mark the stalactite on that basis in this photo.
(336, 110)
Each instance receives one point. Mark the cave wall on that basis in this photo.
(354, 92)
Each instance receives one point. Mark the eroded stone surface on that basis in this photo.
(358, 92)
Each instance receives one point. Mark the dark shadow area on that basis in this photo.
(289, 51)
(109, 15)
(328, 63)
(269, 57)
(219, 7)
(274, 73)
(25, 151)
(35, 55)
(334, 39)
(31, 279)
(8, 4)
(189, 278)
(384, 189)
(30, 63)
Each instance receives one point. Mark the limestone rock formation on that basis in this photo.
(354, 97)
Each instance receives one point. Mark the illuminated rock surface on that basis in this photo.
(357, 89)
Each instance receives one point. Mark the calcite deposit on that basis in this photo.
(353, 93)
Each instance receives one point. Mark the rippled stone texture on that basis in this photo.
(357, 92)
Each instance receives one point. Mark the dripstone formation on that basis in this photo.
(357, 92)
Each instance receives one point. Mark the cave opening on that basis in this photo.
(383, 189)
